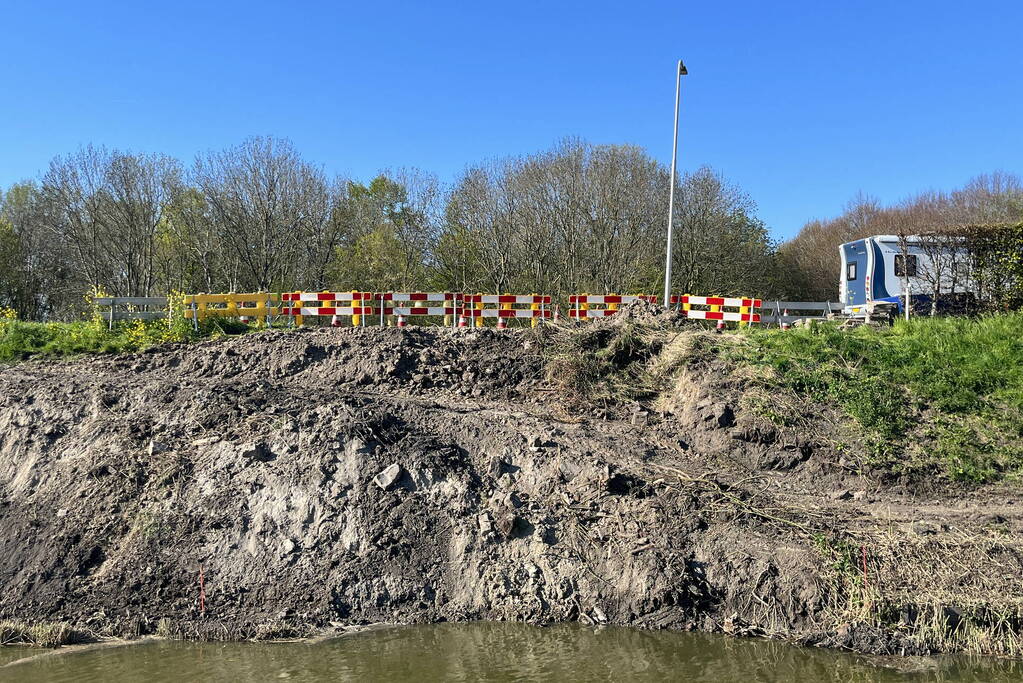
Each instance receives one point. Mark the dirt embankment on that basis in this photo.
(289, 482)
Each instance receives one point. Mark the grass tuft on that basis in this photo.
(39, 635)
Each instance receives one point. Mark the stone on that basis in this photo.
(725, 416)
(155, 447)
(496, 467)
(389, 476)
(719, 415)
(505, 524)
(256, 450)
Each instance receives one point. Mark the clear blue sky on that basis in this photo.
(802, 104)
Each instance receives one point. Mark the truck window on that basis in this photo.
(850, 271)
(905, 266)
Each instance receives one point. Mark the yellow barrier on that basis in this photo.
(257, 304)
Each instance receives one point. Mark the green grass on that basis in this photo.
(20, 340)
(932, 395)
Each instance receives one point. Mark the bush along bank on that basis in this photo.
(633, 471)
(20, 340)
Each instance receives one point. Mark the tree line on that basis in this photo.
(577, 217)
(984, 216)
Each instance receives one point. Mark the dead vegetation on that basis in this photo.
(41, 634)
(952, 590)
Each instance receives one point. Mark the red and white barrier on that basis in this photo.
(733, 302)
(541, 299)
(728, 316)
(402, 305)
(580, 304)
(328, 296)
(475, 307)
(323, 297)
(330, 311)
(611, 298)
(442, 298)
(608, 306)
(746, 313)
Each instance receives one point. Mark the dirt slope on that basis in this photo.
(314, 479)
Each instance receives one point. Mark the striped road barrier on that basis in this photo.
(713, 308)
(446, 304)
(478, 307)
(312, 304)
(582, 304)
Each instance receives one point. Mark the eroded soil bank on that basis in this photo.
(284, 483)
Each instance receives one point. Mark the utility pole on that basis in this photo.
(671, 190)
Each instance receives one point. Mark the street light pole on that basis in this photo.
(671, 190)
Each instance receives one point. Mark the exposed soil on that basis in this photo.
(283, 483)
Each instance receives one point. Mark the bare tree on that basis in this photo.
(266, 202)
(482, 208)
(107, 207)
(33, 270)
(720, 246)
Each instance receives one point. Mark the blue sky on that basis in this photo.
(802, 104)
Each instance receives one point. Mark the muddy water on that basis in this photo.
(494, 652)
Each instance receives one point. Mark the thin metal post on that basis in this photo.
(671, 190)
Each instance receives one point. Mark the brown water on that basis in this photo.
(492, 652)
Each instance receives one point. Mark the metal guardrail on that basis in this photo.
(137, 303)
(792, 311)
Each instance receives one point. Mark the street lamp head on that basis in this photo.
(682, 71)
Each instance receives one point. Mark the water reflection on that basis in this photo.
(498, 652)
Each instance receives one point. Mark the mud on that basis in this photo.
(287, 483)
